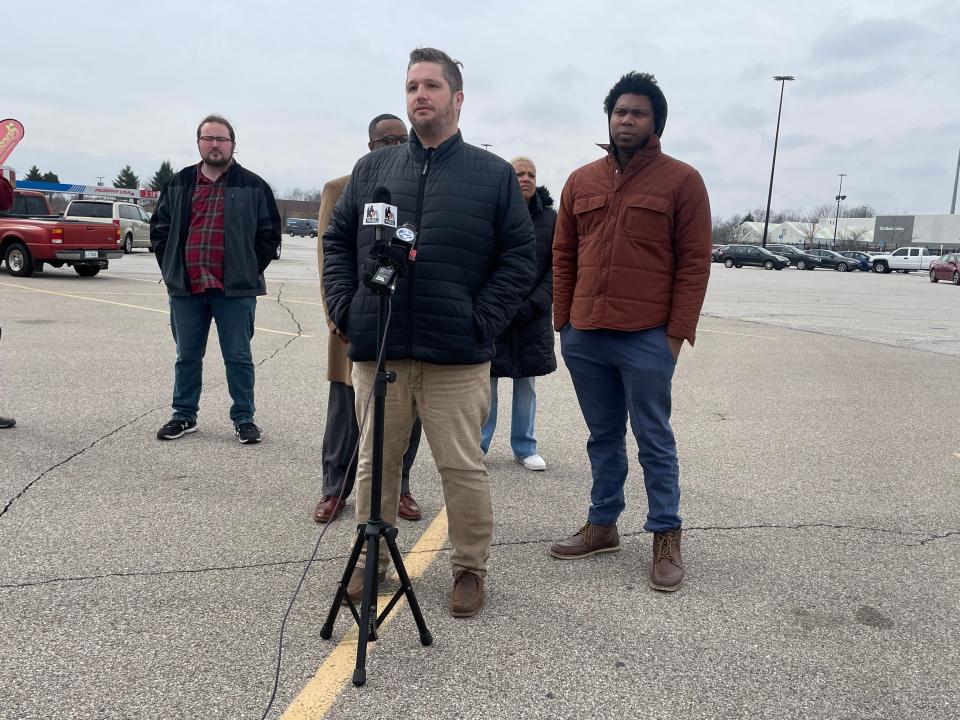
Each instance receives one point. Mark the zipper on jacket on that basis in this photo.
(411, 268)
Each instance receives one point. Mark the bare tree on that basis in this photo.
(859, 211)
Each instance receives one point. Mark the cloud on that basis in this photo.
(743, 116)
(871, 38)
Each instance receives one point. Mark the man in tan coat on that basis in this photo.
(340, 435)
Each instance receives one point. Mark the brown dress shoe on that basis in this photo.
(467, 599)
(588, 540)
(409, 510)
(328, 508)
(355, 585)
(666, 573)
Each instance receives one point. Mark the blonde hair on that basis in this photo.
(524, 158)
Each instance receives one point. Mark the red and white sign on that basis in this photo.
(11, 132)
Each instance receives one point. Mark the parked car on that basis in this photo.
(301, 226)
(904, 260)
(133, 221)
(34, 239)
(831, 259)
(740, 255)
(800, 259)
(861, 257)
(717, 250)
(946, 267)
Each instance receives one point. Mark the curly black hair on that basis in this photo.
(635, 83)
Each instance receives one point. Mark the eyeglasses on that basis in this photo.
(215, 138)
(391, 140)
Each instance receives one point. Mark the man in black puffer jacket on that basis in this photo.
(525, 348)
(474, 263)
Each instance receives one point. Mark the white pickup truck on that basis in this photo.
(904, 260)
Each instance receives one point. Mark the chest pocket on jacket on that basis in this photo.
(590, 215)
(646, 217)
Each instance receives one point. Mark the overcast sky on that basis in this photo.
(99, 85)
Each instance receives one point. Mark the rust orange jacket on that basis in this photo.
(631, 249)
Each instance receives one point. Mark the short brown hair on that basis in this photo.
(450, 67)
(217, 119)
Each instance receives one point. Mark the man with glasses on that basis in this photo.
(341, 432)
(214, 231)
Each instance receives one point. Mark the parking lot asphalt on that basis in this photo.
(820, 464)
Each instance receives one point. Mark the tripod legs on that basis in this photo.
(368, 621)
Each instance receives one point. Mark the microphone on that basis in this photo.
(405, 239)
(380, 213)
(388, 261)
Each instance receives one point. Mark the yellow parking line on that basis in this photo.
(135, 307)
(316, 699)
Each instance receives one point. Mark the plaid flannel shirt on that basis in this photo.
(205, 241)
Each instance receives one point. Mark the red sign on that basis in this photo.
(11, 132)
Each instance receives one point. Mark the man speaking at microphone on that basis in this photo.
(475, 260)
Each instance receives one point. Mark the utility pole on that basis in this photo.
(486, 146)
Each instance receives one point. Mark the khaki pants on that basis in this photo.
(453, 402)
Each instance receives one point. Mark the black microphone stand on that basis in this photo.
(371, 532)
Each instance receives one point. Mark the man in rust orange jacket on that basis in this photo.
(631, 260)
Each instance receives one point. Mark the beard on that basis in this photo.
(220, 159)
(442, 118)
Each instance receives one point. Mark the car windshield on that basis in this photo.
(90, 209)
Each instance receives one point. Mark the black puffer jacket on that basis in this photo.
(475, 253)
(525, 348)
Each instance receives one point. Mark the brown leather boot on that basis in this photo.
(666, 572)
(467, 599)
(355, 586)
(588, 540)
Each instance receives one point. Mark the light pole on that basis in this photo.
(486, 146)
(782, 79)
(956, 178)
(840, 197)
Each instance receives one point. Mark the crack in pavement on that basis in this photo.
(295, 322)
(63, 462)
(447, 548)
(103, 437)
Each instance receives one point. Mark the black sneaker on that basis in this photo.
(175, 429)
(247, 433)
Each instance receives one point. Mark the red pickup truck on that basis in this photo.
(30, 236)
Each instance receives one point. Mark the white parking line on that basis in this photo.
(136, 307)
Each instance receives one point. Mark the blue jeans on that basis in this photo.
(616, 374)
(190, 321)
(521, 424)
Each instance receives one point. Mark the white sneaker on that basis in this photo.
(533, 462)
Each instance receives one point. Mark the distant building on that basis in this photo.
(884, 232)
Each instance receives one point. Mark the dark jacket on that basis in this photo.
(632, 249)
(251, 231)
(475, 253)
(525, 348)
